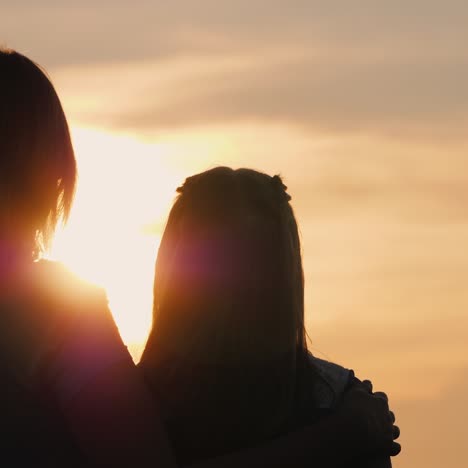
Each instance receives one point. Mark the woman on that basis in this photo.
(70, 393)
(227, 355)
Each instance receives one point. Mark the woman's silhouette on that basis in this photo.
(227, 356)
(70, 392)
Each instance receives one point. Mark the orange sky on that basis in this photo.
(362, 108)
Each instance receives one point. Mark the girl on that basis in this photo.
(227, 355)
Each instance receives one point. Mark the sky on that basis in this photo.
(362, 107)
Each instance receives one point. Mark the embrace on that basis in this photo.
(226, 378)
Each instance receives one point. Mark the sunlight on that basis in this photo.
(125, 190)
(126, 187)
(124, 193)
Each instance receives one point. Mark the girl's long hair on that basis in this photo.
(228, 341)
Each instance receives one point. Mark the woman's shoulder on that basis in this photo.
(53, 281)
(73, 305)
(45, 306)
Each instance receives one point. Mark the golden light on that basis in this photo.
(125, 190)
(126, 187)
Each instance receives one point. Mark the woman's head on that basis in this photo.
(37, 162)
(228, 287)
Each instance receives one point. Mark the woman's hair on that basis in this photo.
(37, 162)
(228, 332)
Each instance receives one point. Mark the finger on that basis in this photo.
(368, 385)
(381, 395)
(392, 416)
(396, 432)
(383, 403)
(395, 450)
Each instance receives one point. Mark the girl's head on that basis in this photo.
(37, 163)
(228, 292)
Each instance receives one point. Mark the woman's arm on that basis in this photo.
(112, 415)
(101, 395)
(376, 460)
(115, 423)
(361, 425)
(114, 420)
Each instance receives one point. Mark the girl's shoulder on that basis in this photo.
(330, 382)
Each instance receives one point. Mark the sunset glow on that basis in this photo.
(362, 107)
(126, 187)
(124, 192)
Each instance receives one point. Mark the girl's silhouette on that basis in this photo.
(227, 355)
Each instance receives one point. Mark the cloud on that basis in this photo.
(320, 94)
(122, 30)
(323, 94)
(393, 68)
(269, 84)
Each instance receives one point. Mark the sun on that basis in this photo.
(125, 190)
(126, 187)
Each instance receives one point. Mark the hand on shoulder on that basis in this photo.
(373, 422)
